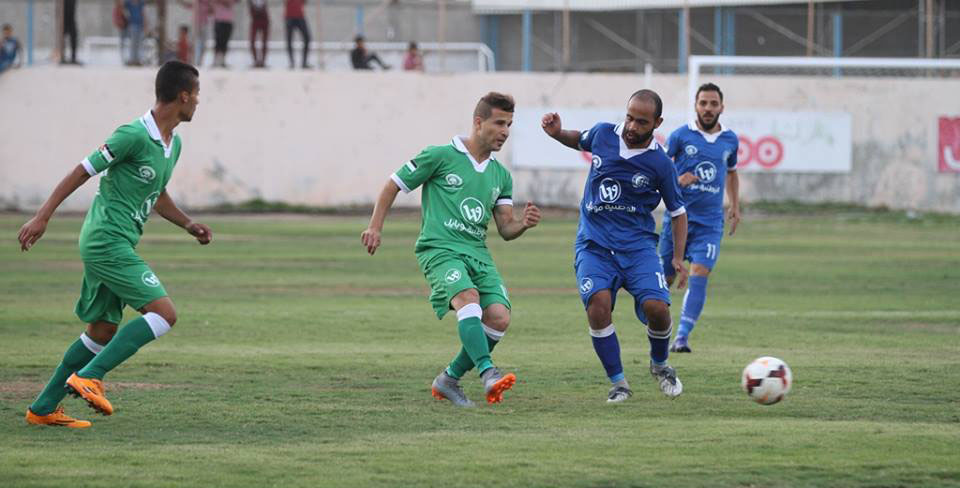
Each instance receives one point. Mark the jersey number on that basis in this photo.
(663, 280)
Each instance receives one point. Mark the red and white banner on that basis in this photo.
(948, 148)
(770, 141)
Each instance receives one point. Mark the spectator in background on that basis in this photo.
(183, 44)
(202, 10)
(259, 24)
(361, 59)
(293, 14)
(120, 22)
(222, 30)
(69, 30)
(413, 60)
(133, 30)
(9, 50)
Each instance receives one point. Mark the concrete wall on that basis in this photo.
(333, 138)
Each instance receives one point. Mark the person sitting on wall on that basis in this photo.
(361, 59)
(413, 59)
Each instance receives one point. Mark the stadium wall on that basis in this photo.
(332, 139)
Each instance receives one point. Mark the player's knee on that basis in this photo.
(699, 270)
(599, 310)
(658, 314)
(498, 321)
(101, 332)
(465, 297)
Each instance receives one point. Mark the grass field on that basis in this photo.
(300, 361)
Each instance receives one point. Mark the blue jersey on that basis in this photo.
(709, 157)
(622, 190)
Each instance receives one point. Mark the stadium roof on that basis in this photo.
(515, 6)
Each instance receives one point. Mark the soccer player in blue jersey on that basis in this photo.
(705, 155)
(616, 238)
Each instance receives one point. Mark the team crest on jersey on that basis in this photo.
(150, 279)
(472, 210)
(453, 180)
(706, 172)
(146, 174)
(609, 190)
(586, 285)
(596, 161)
(691, 150)
(640, 181)
(452, 276)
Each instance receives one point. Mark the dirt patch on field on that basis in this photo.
(22, 388)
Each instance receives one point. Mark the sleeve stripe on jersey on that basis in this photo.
(678, 212)
(583, 137)
(106, 153)
(411, 166)
(504, 201)
(89, 167)
(403, 186)
(731, 170)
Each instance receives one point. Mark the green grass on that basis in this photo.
(300, 361)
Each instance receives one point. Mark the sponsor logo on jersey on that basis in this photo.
(150, 279)
(472, 210)
(596, 161)
(640, 181)
(145, 208)
(452, 276)
(691, 150)
(586, 285)
(706, 172)
(453, 180)
(146, 174)
(609, 190)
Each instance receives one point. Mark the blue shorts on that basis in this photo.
(639, 272)
(703, 246)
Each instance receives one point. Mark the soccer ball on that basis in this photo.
(766, 380)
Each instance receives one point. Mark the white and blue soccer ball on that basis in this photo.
(766, 380)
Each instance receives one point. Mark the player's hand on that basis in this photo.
(531, 216)
(31, 232)
(551, 124)
(687, 179)
(733, 216)
(201, 231)
(681, 272)
(371, 239)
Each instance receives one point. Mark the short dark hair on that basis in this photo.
(7, 26)
(175, 77)
(708, 87)
(359, 38)
(491, 101)
(650, 96)
(184, 28)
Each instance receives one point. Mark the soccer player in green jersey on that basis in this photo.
(136, 163)
(462, 187)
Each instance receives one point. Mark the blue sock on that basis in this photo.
(659, 345)
(607, 346)
(692, 304)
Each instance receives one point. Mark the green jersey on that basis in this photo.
(457, 199)
(135, 166)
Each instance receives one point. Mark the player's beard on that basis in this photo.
(643, 140)
(710, 126)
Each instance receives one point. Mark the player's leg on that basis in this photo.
(598, 281)
(134, 282)
(702, 249)
(450, 282)
(648, 285)
(101, 309)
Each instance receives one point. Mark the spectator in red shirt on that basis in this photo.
(259, 24)
(183, 44)
(413, 60)
(293, 13)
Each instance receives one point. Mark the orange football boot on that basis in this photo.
(56, 418)
(91, 390)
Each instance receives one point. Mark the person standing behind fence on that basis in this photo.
(9, 50)
(202, 9)
(120, 22)
(69, 30)
(222, 30)
(293, 14)
(133, 29)
(183, 44)
(259, 24)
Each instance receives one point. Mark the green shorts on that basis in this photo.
(449, 273)
(114, 281)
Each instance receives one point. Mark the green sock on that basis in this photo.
(124, 344)
(472, 337)
(462, 363)
(76, 357)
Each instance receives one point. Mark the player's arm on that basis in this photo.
(33, 230)
(371, 236)
(733, 194)
(511, 227)
(169, 210)
(553, 127)
(678, 224)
